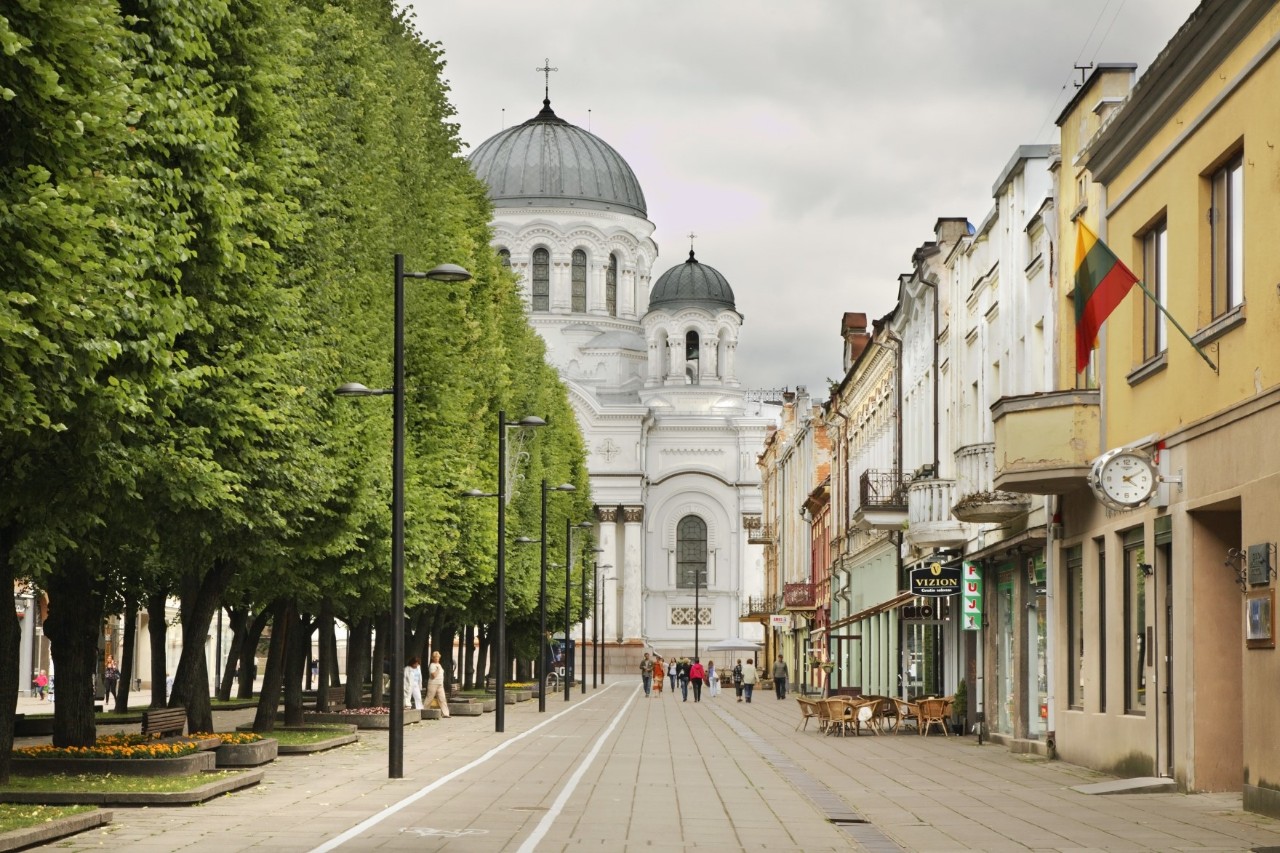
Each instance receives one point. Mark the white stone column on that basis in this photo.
(675, 362)
(608, 538)
(632, 572)
(707, 363)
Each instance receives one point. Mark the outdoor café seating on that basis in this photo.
(935, 712)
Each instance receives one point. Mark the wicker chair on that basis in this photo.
(935, 712)
(808, 710)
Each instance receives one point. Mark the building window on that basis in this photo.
(579, 281)
(1103, 643)
(1226, 224)
(1155, 244)
(1075, 627)
(691, 553)
(692, 348)
(541, 280)
(611, 287)
(504, 258)
(1135, 622)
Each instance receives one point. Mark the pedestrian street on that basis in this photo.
(616, 771)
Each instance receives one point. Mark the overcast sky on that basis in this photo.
(810, 144)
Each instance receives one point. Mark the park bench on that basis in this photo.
(336, 697)
(164, 721)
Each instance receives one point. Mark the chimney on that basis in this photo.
(853, 328)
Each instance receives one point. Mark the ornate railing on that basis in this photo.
(975, 469)
(930, 501)
(761, 605)
(882, 490)
(762, 535)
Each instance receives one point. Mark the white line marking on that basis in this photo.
(549, 818)
(378, 818)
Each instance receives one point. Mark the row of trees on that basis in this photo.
(199, 203)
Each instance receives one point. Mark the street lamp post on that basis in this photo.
(443, 272)
(500, 629)
(603, 627)
(597, 630)
(543, 650)
(568, 577)
(697, 612)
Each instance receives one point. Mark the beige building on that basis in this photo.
(1165, 596)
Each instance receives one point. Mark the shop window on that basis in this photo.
(1102, 644)
(1075, 627)
(1135, 620)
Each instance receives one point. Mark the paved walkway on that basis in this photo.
(621, 772)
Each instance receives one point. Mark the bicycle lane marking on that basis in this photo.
(374, 820)
(544, 825)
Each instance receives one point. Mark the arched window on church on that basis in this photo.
(579, 281)
(691, 553)
(611, 287)
(691, 349)
(504, 258)
(541, 280)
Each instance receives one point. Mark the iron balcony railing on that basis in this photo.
(799, 596)
(882, 490)
(761, 605)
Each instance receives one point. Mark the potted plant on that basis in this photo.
(960, 707)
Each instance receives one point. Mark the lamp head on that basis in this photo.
(584, 525)
(448, 272)
(529, 421)
(355, 389)
(525, 540)
(563, 487)
(476, 493)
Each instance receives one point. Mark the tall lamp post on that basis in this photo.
(542, 593)
(568, 577)
(443, 272)
(597, 630)
(602, 598)
(500, 638)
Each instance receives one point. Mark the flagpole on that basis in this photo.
(1176, 325)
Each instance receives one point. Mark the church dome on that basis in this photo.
(548, 161)
(692, 284)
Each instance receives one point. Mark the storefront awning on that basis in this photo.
(897, 601)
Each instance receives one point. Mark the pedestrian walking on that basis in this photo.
(646, 674)
(749, 678)
(671, 673)
(780, 678)
(435, 685)
(713, 679)
(697, 677)
(413, 684)
(41, 682)
(737, 679)
(659, 671)
(111, 677)
(682, 675)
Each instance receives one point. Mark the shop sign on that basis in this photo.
(782, 622)
(935, 579)
(971, 598)
(913, 612)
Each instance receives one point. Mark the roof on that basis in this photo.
(692, 284)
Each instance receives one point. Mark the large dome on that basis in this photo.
(692, 284)
(548, 161)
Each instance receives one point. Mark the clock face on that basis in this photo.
(1126, 479)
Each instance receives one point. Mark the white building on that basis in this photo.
(671, 433)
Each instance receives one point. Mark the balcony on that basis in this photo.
(761, 534)
(929, 520)
(799, 596)
(977, 498)
(882, 501)
(1045, 442)
(759, 608)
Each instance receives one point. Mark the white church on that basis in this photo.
(671, 432)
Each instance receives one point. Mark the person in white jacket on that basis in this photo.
(413, 684)
(435, 685)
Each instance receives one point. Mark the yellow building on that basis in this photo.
(1164, 592)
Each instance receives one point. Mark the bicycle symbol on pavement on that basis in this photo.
(431, 832)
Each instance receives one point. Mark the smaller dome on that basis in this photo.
(692, 284)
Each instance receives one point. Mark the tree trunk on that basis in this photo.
(10, 643)
(239, 619)
(295, 659)
(468, 661)
(328, 662)
(201, 594)
(357, 661)
(273, 672)
(73, 627)
(482, 656)
(381, 650)
(156, 628)
(247, 667)
(127, 654)
(335, 675)
(442, 642)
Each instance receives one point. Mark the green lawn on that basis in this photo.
(94, 783)
(310, 736)
(18, 816)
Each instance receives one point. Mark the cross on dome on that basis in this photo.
(546, 73)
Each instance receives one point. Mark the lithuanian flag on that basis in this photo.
(1101, 282)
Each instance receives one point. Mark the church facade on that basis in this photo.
(671, 432)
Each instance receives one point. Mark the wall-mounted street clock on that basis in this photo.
(1124, 478)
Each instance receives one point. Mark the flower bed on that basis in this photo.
(125, 755)
(251, 754)
(343, 734)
